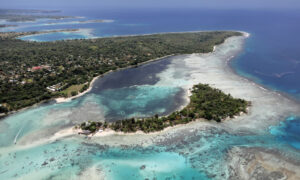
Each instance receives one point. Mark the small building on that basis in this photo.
(36, 68)
(55, 87)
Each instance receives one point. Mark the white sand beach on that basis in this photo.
(62, 99)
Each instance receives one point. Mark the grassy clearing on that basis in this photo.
(74, 88)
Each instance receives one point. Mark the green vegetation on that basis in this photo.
(74, 89)
(205, 102)
(31, 72)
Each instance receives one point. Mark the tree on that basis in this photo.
(74, 93)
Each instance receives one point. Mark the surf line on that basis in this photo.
(16, 137)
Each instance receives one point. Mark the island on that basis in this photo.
(24, 15)
(7, 25)
(10, 35)
(24, 18)
(33, 72)
(205, 102)
(27, 11)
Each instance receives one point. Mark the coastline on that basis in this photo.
(188, 93)
(186, 87)
(245, 120)
(110, 132)
(62, 99)
(201, 138)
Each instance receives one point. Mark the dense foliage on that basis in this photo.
(205, 102)
(74, 62)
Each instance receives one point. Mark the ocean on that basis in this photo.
(270, 57)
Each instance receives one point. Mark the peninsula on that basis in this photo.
(32, 72)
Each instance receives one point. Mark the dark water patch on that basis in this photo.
(288, 132)
(132, 92)
(142, 75)
(143, 101)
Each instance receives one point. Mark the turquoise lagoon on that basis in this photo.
(56, 36)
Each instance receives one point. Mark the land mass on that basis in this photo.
(7, 25)
(31, 72)
(205, 102)
(23, 15)
(26, 11)
(199, 141)
(24, 18)
(12, 35)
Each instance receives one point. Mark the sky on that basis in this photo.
(214, 4)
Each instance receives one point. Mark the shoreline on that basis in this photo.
(34, 33)
(267, 109)
(197, 138)
(62, 99)
(109, 132)
(225, 124)
(134, 35)
(187, 92)
(260, 85)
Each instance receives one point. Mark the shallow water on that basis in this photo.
(112, 98)
(54, 36)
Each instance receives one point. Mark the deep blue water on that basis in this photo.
(271, 58)
(288, 131)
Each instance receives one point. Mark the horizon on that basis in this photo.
(166, 4)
